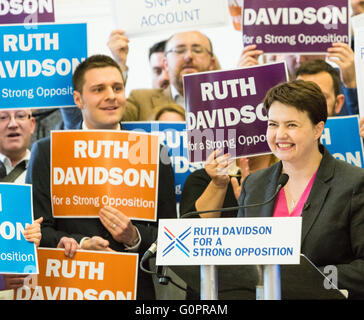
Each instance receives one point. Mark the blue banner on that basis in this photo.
(341, 137)
(174, 136)
(17, 255)
(36, 65)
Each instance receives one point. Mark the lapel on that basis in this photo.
(162, 97)
(79, 126)
(267, 210)
(319, 191)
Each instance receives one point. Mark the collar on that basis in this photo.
(84, 127)
(327, 166)
(177, 97)
(7, 162)
(324, 172)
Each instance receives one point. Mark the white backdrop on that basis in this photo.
(98, 15)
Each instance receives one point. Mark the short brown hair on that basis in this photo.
(302, 95)
(316, 66)
(92, 62)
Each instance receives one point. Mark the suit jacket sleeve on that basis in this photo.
(38, 174)
(141, 103)
(350, 273)
(132, 109)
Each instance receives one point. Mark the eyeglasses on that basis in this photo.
(196, 49)
(6, 117)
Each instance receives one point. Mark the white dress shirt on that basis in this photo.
(177, 97)
(137, 244)
(9, 167)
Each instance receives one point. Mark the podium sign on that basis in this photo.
(229, 241)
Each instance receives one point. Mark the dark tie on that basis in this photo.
(15, 173)
(2, 170)
(22, 164)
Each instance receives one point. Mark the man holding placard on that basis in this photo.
(99, 93)
(16, 129)
(186, 52)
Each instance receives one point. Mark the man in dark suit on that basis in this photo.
(99, 93)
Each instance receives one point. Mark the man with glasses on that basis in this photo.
(185, 53)
(16, 129)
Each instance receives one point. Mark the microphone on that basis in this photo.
(151, 251)
(306, 206)
(282, 181)
(148, 254)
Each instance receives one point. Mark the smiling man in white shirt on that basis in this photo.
(99, 94)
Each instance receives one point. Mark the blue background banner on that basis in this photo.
(17, 255)
(174, 136)
(341, 137)
(36, 65)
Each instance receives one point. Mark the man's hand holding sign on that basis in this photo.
(119, 225)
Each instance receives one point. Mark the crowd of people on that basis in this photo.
(333, 223)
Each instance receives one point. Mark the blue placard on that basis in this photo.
(174, 136)
(17, 255)
(341, 137)
(36, 64)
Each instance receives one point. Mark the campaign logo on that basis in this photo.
(177, 242)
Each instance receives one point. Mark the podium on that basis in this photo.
(303, 281)
(237, 256)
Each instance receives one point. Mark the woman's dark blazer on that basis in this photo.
(332, 218)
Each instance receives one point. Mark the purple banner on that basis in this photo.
(26, 11)
(295, 26)
(224, 110)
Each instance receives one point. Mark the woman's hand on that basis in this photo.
(217, 168)
(243, 163)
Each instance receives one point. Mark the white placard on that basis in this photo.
(229, 241)
(139, 17)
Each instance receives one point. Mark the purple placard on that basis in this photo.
(224, 110)
(25, 11)
(295, 26)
